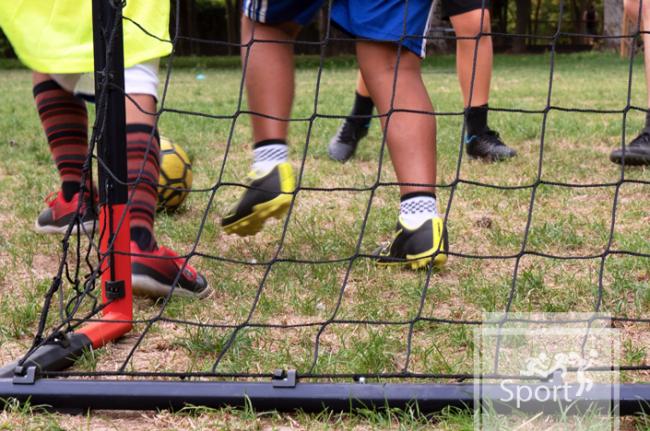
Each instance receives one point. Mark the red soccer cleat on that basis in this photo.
(59, 214)
(154, 273)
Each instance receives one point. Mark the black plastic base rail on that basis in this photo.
(68, 394)
(58, 354)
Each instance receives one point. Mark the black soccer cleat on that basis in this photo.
(344, 144)
(416, 247)
(489, 147)
(268, 196)
(636, 153)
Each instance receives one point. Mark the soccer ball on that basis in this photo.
(175, 174)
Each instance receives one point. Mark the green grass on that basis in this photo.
(326, 225)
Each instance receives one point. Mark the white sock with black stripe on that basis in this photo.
(269, 154)
(416, 208)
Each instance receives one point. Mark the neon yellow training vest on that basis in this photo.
(55, 36)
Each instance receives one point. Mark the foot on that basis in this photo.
(59, 214)
(636, 153)
(153, 274)
(268, 195)
(488, 146)
(344, 143)
(416, 246)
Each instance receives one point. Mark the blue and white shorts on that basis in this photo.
(279, 11)
(399, 21)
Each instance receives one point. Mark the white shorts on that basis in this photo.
(139, 79)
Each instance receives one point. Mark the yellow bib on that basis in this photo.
(56, 36)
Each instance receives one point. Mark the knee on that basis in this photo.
(472, 23)
(631, 9)
(38, 77)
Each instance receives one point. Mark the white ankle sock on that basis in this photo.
(416, 210)
(269, 156)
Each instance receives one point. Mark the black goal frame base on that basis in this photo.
(286, 395)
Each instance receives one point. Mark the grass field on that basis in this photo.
(482, 221)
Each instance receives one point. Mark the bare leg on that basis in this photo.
(411, 136)
(269, 73)
(134, 114)
(468, 25)
(631, 10)
(361, 85)
(638, 149)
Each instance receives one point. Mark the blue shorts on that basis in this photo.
(386, 21)
(377, 20)
(279, 11)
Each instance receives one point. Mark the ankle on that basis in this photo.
(143, 237)
(416, 208)
(269, 153)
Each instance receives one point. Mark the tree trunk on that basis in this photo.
(500, 23)
(522, 25)
(613, 17)
(186, 14)
(535, 26)
(437, 31)
(232, 23)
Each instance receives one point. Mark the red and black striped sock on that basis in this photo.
(65, 121)
(139, 138)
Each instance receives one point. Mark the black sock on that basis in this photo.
(362, 106)
(143, 238)
(476, 120)
(69, 189)
(415, 195)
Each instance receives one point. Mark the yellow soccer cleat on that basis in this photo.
(416, 247)
(268, 195)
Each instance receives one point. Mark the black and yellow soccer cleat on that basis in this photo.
(268, 196)
(416, 247)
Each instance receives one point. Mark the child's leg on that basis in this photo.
(269, 72)
(474, 78)
(140, 130)
(344, 144)
(645, 25)
(469, 24)
(153, 268)
(65, 121)
(631, 10)
(411, 137)
(361, 86)
(638, 150)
